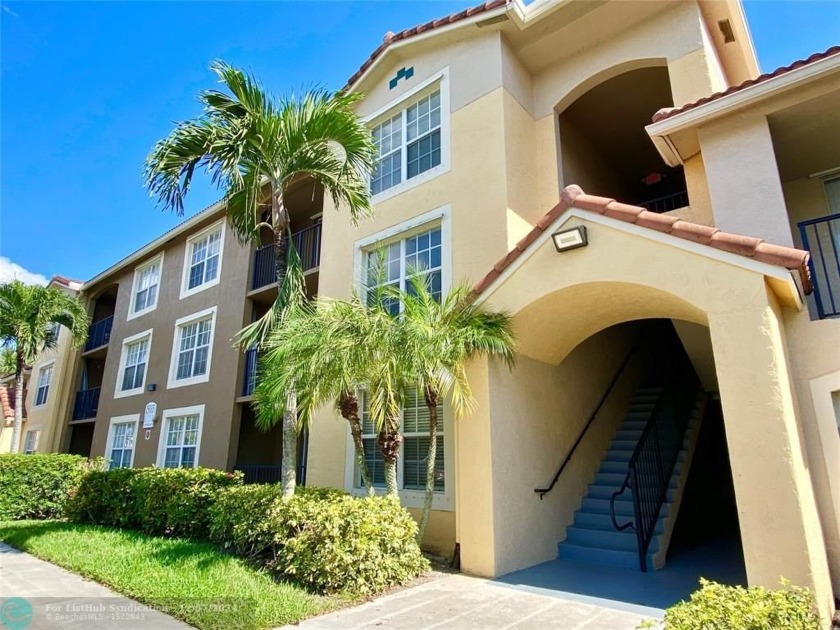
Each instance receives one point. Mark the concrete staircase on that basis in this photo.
(592, 537)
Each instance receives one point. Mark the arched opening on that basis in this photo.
(604, 147)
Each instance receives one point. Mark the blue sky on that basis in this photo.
(88, 87)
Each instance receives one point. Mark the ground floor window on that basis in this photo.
(30, 442)
(411, 471)
(180, 437)
(120, 446)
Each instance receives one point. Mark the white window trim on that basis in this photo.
(439, 216)
(171, 381)
(137, 271)
(135, 418)
(443, 501)
(35, 428)
(441, 79)
(41, 368)
(119, 393)
(164, 429)
(185, 273)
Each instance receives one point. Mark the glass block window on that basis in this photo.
(204, 259)
(418, 255)
(134, 372)
(181, 441)
(146, 287)
(415, 447)
(408, 143)
(194, 348)
(122, 444)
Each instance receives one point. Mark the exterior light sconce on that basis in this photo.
(570, 239)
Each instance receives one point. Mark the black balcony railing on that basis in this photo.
(667, 203)
(307, 242)
(99, 333)
(821, 237)
(87, 403)
(260, 473)
(250, 376)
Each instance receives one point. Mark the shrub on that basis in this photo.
(37, 486)
(719, 607)
(321, 537)
(158, 501)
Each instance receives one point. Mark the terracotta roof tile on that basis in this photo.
(390, 38)
(65, 280)
(747, 246)
(7, 401)
(662, 114)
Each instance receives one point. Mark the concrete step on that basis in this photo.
(609, 557)
(623, 445)
(606, 539)
(597, 491)
(628, 435)
(602, 506)
(633, 425)
(591, 520)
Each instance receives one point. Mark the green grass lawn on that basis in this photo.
(193, 581)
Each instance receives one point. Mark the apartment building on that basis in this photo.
(679, 349)
(46, 391)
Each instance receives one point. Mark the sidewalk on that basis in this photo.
(35, 594)
(462, 602)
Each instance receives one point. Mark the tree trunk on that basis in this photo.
(432, 404)
(349, 405)
(288, 465)
(18, 422)
(389, 441)
(280, 224)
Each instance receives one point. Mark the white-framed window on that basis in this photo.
(122, 436)
(54, 329)
(134, 363)
(411, 465)
(180, 437)
(192, 349)
(146, 286)
(203, 259)
(43, 388)
(411, 138)
(30, 441)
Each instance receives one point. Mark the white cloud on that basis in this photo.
(10, 271)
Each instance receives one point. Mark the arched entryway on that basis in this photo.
(563, 300)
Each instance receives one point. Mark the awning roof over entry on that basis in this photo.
(745, 246)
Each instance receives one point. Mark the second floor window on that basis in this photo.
(194, 349)
(146, 284)
(204, 255)
(135, 365)
(408, 143)
(44, 377)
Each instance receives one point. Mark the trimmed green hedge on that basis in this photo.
(323, 538)
(719, 607)
(37, 486)
(158, 501)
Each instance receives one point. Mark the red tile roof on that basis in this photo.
(7, 401)
(662, 114)
(573, 196)
(391, 38)
(65, 281)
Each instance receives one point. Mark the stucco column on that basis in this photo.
(474, 479)
(780, 528)
(743, 178)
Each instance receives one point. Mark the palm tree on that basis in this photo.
(440, 337)
(27, 316)
(250, 140)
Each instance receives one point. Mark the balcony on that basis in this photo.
(260, 473)
(667, 203)
(308, 245)
(821, 237)
(249, 380)
(86, 404)
(99, 334)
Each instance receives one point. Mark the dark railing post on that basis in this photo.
(250, 377)
(86, 403)
(99, 333)
(821, 237)
(307, 242)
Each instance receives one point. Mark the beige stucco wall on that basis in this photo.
(540, 409)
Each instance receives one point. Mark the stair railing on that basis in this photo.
(543, 491)
(652, 463)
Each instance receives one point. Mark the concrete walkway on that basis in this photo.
(462, 602)
(35, 594)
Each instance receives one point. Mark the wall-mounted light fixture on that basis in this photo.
(570, 239)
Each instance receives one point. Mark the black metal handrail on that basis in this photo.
(653, 460)
(821, 237)
(99, 333)
(666, 203)
(86, 403)
(543, 491)
(307, 242)
(260, 473)
(249, 380)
